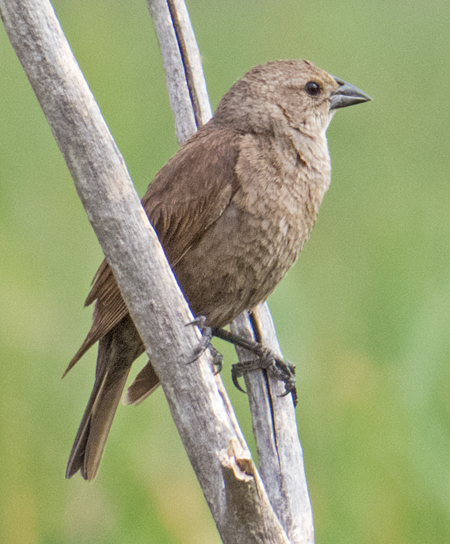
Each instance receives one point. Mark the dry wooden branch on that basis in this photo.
(273, 416)
(200, 409)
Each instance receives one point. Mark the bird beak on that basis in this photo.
(346, 95)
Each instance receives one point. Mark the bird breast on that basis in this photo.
(260, 234)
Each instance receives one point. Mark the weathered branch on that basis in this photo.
(273, 416)
(200, 409)
(184, 74)
(275, 429)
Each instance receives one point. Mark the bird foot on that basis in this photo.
(266, 359)
(278, 368)
(205, 343)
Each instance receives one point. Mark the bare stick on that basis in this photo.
(184, 73)
(200, 410)
(273, 416)
(275, 429)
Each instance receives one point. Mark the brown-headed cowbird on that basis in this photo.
(232, 209)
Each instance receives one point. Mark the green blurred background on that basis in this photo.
(365, 314)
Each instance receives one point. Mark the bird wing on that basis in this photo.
(186, 197)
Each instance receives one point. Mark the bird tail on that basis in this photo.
(117, 351)
(144, 384)
(88, 446)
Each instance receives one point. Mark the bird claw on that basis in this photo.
(217, 359)
(236, 373)
(198, 322)
(205, 343)
(278, 368)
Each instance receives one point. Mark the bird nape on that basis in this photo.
(233, 209)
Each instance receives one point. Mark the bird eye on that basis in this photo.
(312, 88)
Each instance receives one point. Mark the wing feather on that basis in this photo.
(186, 197)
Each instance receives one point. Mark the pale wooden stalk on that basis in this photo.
(201, 411)
(274, 423)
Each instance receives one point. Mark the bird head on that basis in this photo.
(292, 93)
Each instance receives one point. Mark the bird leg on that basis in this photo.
(205, 343)
(278, 368)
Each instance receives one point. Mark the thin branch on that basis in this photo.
(201, 411)
(275, 429)
(273, 416)
(179, 96)
(191, 59)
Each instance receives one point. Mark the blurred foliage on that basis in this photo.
(365, 313)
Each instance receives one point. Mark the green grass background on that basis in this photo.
(365, 313)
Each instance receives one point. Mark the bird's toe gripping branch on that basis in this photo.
(277, 367)
(205, 343)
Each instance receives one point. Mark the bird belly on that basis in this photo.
(236, 264)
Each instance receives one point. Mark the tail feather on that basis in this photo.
(117, 351)
(94, 429)
(144, 384)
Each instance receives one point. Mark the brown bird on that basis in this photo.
(232, 209)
